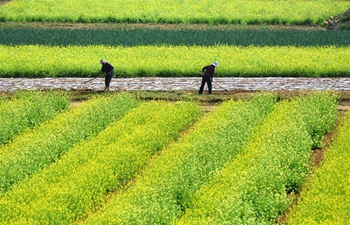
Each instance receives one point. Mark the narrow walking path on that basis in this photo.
(162, 84)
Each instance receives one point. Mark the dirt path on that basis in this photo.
(173, 84)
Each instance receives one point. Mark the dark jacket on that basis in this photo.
(107, 68)
(209, 71)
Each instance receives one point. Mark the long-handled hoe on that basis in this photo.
(91, 79)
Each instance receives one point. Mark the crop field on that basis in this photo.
(159, 162)
(172, 157)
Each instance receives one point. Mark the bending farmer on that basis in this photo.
(108, 70)
(207, 76)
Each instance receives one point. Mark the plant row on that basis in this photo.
(253, 187)
(28, 109)
(174, 61)
(325, 198)
(81, 179)
(161, 193)
(170, 11)
(186, 37)
(36, 149)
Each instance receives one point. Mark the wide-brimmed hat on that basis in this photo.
(215, 63)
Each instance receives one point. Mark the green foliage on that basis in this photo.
(345, 20)
(36, 149)
(186, 37)
(162, 191)
(320, 110)
(326, 194)
(29, 109)
(68, 189)
(253, 187)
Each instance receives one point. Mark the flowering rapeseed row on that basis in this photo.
(29, 109)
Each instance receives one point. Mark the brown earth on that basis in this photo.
(210, 102)
(131, 26)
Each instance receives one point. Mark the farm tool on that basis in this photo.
(91, 79)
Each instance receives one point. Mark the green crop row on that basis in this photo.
(174, 61)
(253, 187)
(170, 11)
(29, 109)
(186, 37)
(325, 198)
(161, 192)
(80, 181)
(36, 149)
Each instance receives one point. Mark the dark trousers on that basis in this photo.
(205, 80)
(108, 79)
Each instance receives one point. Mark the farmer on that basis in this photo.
(107, 69)
(207, 76)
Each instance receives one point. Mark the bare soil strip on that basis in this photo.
(163, 26)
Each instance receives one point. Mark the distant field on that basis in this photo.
(167, 52)
(170, 11)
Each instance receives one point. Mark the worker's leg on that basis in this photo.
(209, 86)
(202, 86)
(108, 79)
